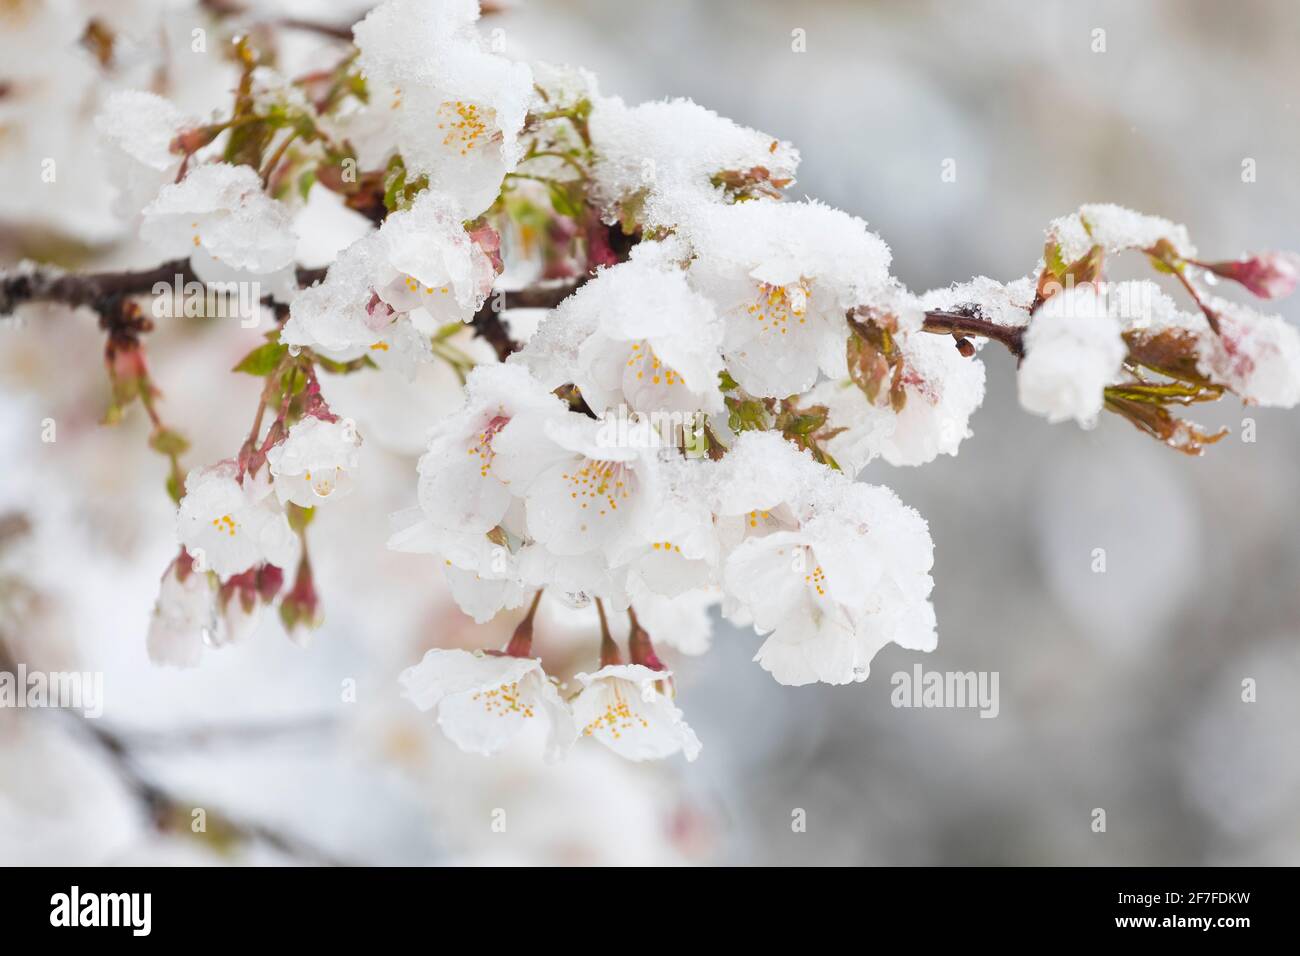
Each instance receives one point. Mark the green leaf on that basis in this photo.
(247, 143)
(1055, 262)
(563, 201)
(263, 360)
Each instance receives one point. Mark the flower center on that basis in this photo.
(816, 580)
(599, 484)
(503, 700)
(225, 524)
(617, 718)
(323, 486)
(483, 449)
(463, 124)
(777, 306)
(651, 367)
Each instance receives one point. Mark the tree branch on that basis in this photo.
(961, 325)
(98, 289)
(487, 321)
(166, 812)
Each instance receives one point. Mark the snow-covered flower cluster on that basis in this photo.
(521, 493)
(391, 290)
(681, 433)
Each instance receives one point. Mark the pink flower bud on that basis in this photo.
(301, 605)
(1269, 275)
(126, 362)
(641, 648)
(269, 581)
(192, 140)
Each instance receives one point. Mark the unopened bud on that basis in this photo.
(640, 648)
(301, 606)
(1269, 275)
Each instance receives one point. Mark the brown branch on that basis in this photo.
(98, 289)
(167, 813)
(961, 325)
(487, 321)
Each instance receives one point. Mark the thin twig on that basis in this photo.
(165, 811)
(956, 323)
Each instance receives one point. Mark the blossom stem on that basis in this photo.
(1210, 315)
(609, 653)
(639, 645)
(521, 644)
(269, 169)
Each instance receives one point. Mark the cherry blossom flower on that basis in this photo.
(636, 335)
(582, 495)
(484, 700)
(829, 569)
(457, 108)
(629, 709)
(316, 461)
(185, 616)
(1257, 356)
(782, 276)
(467, 476)
(676, 547)
(229, 524)
(221, 219)
(389, 291)
(470, 512)
(1073, 350)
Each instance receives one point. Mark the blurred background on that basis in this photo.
(1119, 690)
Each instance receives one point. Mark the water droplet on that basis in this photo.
(576, 599)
